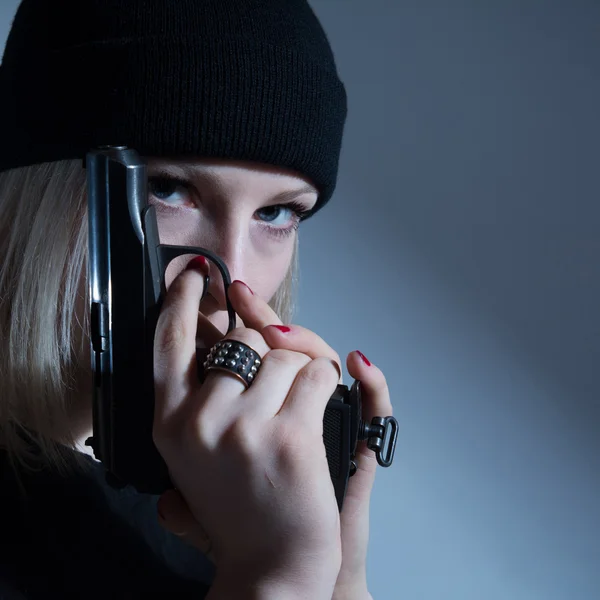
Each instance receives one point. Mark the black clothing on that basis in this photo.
(76, 537)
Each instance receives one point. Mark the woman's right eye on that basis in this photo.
(169, 191)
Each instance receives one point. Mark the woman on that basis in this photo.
(239, 110)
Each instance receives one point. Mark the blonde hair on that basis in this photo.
(44, 347)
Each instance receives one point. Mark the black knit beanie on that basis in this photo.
(234, 79)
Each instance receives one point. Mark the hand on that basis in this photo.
(268, 508)
(351, 582)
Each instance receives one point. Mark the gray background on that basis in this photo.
(460, 254)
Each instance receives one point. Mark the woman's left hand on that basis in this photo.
(257, 314)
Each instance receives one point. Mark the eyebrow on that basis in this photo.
(207, 176)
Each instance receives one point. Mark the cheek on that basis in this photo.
(268, 271)
(177, 231)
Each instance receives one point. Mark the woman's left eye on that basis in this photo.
(278, 214)
(282, 219)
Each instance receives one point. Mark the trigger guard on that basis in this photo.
(166, 253)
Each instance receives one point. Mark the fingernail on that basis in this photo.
(245, 285)
(364, 358)
(199, 263)
(282, 328)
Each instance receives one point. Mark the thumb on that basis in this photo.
(175, 516)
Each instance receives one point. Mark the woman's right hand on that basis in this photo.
(251, 464)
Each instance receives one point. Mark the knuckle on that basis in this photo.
(320, 371)
(197, 429)
(191, 432)
(296, 448)
(240, 439)
(158, 437)
(291, 438)
(287, 357)
(338, 364)
(165, 436)
(170, 334)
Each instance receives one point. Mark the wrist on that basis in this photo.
(244, 584)
(351, 589)
(275, 589)
(351, 594)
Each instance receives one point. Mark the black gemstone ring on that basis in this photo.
(236, 358)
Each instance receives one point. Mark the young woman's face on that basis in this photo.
(246, 213)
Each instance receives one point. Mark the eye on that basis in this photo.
(172, 193)
(282, 219)
(169, 190)
(277, 214)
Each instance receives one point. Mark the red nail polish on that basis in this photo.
(199, 263)
(282, 328)
(364, 358)
(245, 285)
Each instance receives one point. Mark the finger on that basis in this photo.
(205, 341)
(300, 339)
(225, 382)
(175, 339)
(205, 329)
(175, 516)
(312, 389)
(273, 383)
(207, 335)
(376, 403)
(220, 401)
(252, 309)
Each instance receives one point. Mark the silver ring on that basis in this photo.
(236, 358)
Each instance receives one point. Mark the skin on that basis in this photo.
(225, 208)
(217, 212)
(231, 210)
(175, 515)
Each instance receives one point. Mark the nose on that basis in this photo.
(231, 256)
(216, 288)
